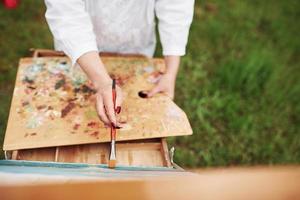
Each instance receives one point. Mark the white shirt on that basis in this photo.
(121, 26)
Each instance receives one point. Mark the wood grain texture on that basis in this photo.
(144, 153)
(53, 104)
(269, 183)
(41, 154)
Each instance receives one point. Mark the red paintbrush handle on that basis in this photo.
(113, 133)
(114, 94)
(114, 98)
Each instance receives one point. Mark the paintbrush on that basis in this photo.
(112, 157)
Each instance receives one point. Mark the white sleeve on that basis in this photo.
(71, 27)
(174, 20)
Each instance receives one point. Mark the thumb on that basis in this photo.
(155, 90)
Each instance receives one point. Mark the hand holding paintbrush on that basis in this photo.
(112, 156)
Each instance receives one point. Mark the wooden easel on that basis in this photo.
(143, 152)
(149, 152)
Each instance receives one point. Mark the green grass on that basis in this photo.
(239, 82)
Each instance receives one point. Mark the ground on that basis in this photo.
(239, 82)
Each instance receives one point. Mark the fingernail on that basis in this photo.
(118, 110)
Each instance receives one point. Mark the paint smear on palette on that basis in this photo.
(53, 80)
(78, 78)
(35, 121)
(94, 134)
(30, 134)
(149, 69)
(66, 110)
(94, 125)
(58, 67)
(76, 126)
(52, 114)
(173, 112)
(31, 72)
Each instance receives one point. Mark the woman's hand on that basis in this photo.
(105, 106)
(94, 68)
(166, 83)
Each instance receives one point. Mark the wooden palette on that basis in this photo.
(54, 105)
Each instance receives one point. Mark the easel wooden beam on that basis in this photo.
(152, 152)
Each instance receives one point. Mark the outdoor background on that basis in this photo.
(239, 82)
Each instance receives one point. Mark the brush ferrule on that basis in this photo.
(112, 155)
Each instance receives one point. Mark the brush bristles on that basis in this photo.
(112, 163)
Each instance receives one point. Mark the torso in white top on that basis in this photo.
(123, 26)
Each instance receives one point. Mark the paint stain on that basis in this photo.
(93, 125)
(60, 83)
(87, 89)
(25, 103)
(52, 114)
(84, 89)
(41, 107)
(35, 120)
(67, 109)
(76, 126)
(94, 133)
(31, 87)
(30, 134)
(27, 80)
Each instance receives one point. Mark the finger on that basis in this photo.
(101, 110)
(110, 112)
(154, 91)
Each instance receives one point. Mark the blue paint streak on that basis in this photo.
(79, 169)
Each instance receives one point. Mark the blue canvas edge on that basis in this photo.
(80, 165)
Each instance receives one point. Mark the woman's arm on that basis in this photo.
(94, 68)
(167, 82)
(72, 29)
(174, 20)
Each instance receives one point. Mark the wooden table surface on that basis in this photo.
(263, 183)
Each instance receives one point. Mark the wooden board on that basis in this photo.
(54, 105)
(269, 183)
(146, 153)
